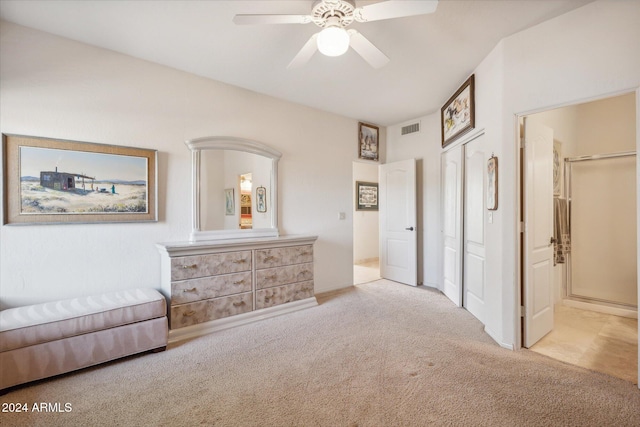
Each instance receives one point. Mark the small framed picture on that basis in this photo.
(366, 196)
(458, 113)
(229, 202)
(261, 199)
(368, 142)
(492, 184)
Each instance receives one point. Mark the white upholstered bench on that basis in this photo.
(44, 340)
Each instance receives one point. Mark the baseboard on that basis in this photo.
(601, 308)
(497, 340)
(366, 260)
(180, 334)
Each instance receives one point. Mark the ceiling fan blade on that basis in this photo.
(271, 19)
(394, 9)
(305, 54)
(367, 50)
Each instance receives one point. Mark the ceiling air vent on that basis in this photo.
(412, 128)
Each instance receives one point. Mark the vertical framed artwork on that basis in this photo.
(261, 199)
(492, 183)
(368, 141)
(366, 196)
(458, 113)
(557, 168)
(54, 181)
(229, 202)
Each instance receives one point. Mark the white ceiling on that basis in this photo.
(430, 55)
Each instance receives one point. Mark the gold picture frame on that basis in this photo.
(56, 181)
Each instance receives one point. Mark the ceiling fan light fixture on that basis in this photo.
(333, 41)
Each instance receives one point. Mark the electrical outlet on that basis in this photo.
(342, 215)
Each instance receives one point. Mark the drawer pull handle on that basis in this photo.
(189, 313)
(238, 282)
(238, 304)
(271, 277)
(186, 267)
(189, 290)
(305, 253)
(269, 258)
(239, 261)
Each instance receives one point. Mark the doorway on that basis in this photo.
(366, 262)
(591, 323)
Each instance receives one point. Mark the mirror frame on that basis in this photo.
(237, 144)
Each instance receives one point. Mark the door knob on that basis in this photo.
(409, 228)
(552, 241)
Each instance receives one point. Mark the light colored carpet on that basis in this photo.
(379, 354)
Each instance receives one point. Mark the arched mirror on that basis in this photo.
(235, 189)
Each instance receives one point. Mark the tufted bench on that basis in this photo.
(42, 340)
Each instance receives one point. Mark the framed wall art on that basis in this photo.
(368, 137)
(557, 168)
(229, 202)
(261, 199)
(492, 183)
(58, 181)
(366, 196)
(458, 113)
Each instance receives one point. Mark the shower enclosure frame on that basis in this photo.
(568, 194)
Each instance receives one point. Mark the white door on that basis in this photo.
(474, 247)
(452, 167)
(538, 232)
(398, 221)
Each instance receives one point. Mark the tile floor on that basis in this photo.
(366, 272)
(597, 341)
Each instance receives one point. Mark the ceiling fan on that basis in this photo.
(333, 16)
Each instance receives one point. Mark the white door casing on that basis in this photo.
(474, 240)
(398, 222)
(538, 232)
(452, 164)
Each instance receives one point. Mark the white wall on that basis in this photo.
(365, 223)
(212, 210)
(587, 53)
(58, 88)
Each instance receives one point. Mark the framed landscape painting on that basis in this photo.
(59, 181)
(458, 113)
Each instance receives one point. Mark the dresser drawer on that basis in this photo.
(190, 267)
(216, 308)
(210, 287)
(267, 258)
(277, 276)
(283, 294)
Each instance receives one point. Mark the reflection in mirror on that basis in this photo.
(245, 201)
(227, 174)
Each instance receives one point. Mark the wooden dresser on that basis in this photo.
(219, 284)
